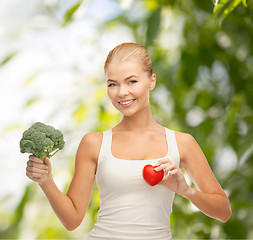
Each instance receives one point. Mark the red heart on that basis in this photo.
(151, 176)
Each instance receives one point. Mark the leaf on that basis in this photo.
(232, 6)
(224, 7)
(8, 58)
(31, 101)
(12, 127)
(244, 3)
(68, 17)
(29, 80)
(221, 6)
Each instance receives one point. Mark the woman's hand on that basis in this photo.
(38, 171)
(173, 177)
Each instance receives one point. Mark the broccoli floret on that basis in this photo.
(41, 140)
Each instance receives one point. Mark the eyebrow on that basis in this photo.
(110, 80)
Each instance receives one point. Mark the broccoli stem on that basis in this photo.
(54, 153)
(42, 157)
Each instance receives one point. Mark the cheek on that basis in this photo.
(142, 90)
(113, 96)
(110, 93)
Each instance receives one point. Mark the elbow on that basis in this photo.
(223, 211)
(226, 216)
(73, 222)
(227, 213)
(71, 227)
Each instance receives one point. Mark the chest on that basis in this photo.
(139, 147)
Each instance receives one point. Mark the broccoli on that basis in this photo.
(41, 140)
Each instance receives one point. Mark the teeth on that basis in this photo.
(126, 102)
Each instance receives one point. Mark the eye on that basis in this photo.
(111, 85)
(133, 81)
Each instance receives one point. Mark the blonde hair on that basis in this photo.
(128, 50)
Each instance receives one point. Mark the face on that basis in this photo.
(128, 86)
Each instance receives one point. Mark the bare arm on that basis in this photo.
(69, 208)
(210, 197)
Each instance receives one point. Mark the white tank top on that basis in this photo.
(130, 209)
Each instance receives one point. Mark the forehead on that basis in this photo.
(123, 69)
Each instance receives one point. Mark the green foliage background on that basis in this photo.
(206, 72)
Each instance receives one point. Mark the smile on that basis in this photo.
(127, 103)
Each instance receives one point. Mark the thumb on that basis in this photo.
(47, 161)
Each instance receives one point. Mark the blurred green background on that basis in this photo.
(51, 70)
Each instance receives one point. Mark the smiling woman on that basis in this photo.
(129, 207)
(130, 77)
(132, 87)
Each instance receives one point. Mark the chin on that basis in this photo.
(126, 113)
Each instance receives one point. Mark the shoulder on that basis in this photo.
(92, 137)
(90, 144)
(184, 138)
(186, 144)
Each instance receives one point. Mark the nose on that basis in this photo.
(123, 91)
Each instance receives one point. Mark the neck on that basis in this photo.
(139, 122)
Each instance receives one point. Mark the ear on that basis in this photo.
(153, 82)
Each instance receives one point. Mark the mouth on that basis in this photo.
(126, 102)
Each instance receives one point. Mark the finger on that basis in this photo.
(34, 175)
(162, 161)
(160, 168)
(47, 162)
(35, 179)
(35, 159)
(169, 169)
(36, 170)
(174, 172)
(37, 165)
(165, 166)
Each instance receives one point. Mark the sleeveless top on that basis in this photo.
(130, 209)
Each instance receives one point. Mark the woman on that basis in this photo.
(129, 207)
